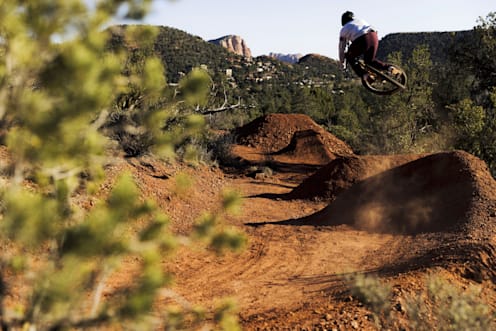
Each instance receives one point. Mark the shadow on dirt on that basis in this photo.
(470, 260)
(432, 194)
(244, 167)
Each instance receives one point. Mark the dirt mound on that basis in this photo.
(274, 132)
(444, 192)
(308, 146)
(344, 171)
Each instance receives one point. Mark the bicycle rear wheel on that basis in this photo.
(384, 83)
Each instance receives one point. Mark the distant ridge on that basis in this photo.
(289, 58)
(315, 57)
(439, 43)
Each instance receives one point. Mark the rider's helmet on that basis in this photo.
(347, 17)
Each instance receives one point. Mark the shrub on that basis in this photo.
(438, 306)
(54, 99)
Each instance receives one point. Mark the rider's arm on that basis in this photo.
(342, 48)
(344, 40)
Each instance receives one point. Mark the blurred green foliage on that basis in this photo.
(64, 95)
(438, 305)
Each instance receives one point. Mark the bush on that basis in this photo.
(54, 99)
(438, 306)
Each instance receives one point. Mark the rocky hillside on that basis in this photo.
(234, 44)
(180, 52)
(439, 43)
(320, 65)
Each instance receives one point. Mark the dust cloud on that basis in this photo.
(430, 194)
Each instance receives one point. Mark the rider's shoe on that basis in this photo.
(393, 71)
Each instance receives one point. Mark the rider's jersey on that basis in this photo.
(351, 31)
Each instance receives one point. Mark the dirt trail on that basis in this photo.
(313, 222)
(285, 268)
(289, 272)
(279, 255)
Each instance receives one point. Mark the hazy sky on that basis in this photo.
(311, 26)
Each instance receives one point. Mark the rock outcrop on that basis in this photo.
(234, 44)
(289, 58)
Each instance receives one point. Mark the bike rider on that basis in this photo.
(358, 38)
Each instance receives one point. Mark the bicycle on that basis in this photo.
(383, 82)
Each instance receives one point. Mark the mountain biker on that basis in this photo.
(358, 38)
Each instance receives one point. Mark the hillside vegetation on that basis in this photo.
(446, 106)
(440, 44)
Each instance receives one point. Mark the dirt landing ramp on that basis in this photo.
(444, 192)
(341, 173)
(307, 147)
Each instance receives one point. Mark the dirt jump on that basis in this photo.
(279, 139)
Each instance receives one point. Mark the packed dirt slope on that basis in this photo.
(279, 139)
(436, 193)
(341, 173)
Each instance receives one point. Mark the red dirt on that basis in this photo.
(399, 217)
(341, 173)
(436, 212)
(291, 138)
(436, 193)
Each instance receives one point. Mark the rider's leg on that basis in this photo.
(353, 63)
(371, 43)
(355, 50)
